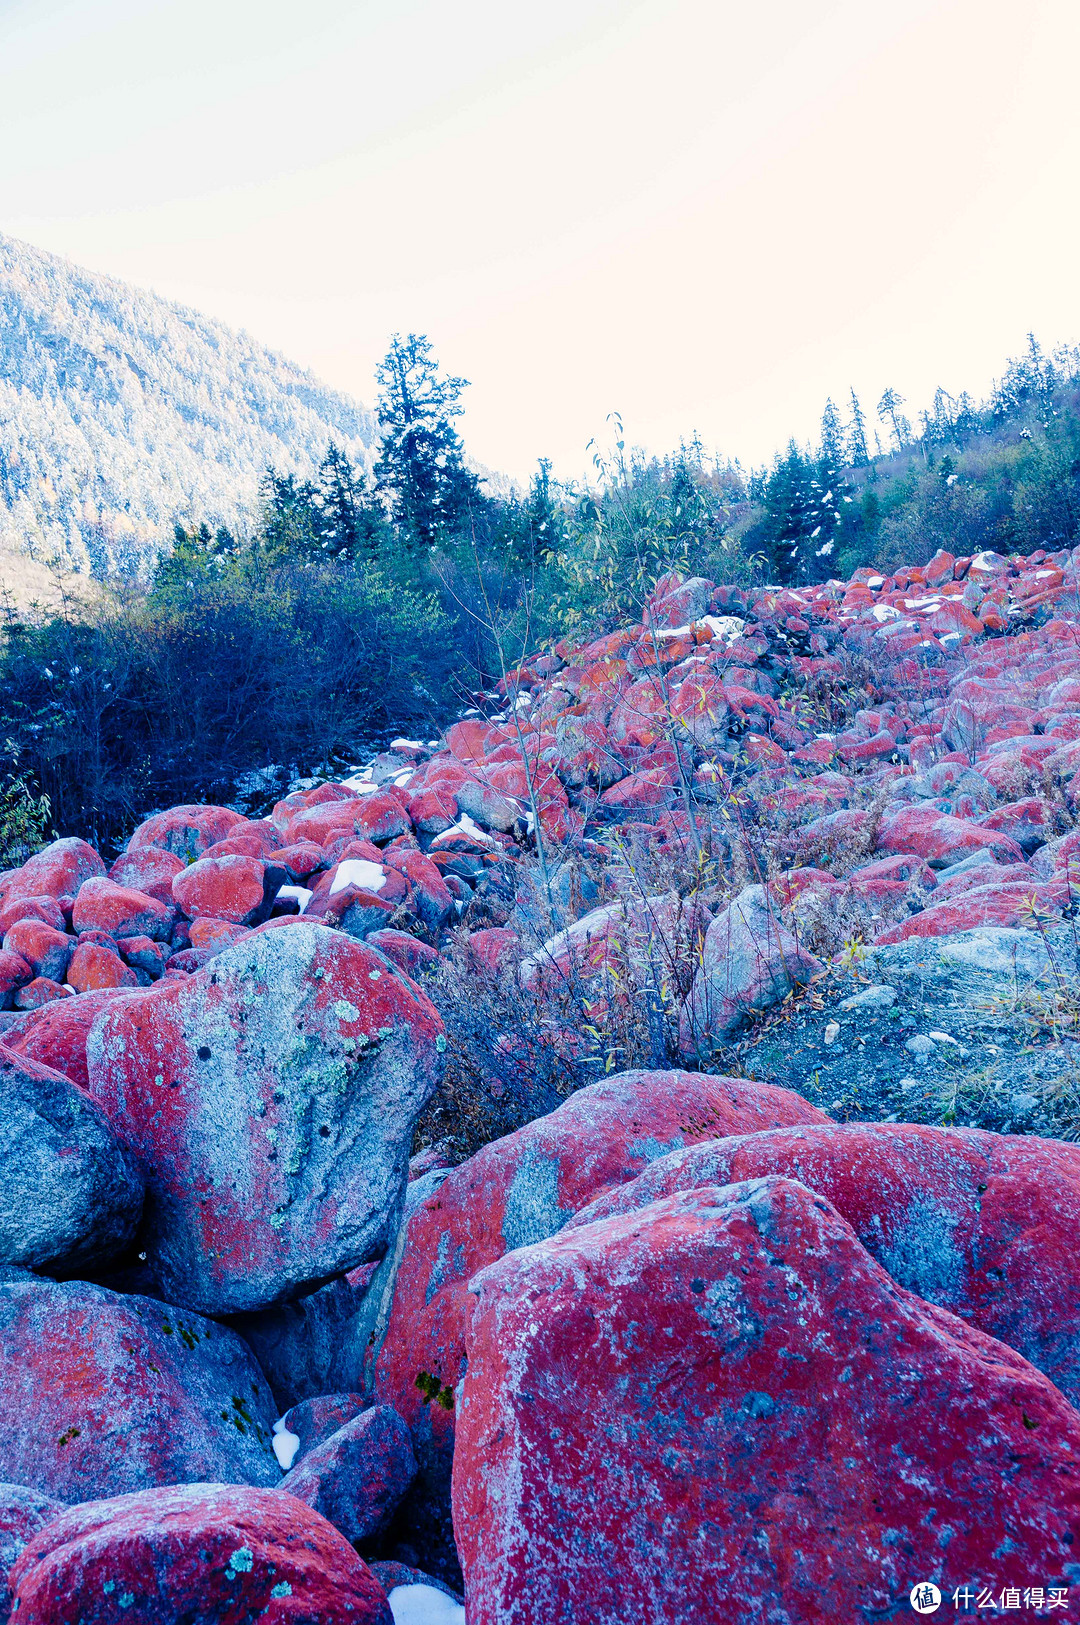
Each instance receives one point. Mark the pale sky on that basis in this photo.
(703, 214)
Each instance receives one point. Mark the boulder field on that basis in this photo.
(611, 1165)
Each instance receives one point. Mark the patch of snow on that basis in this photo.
(358, 872)
(465, 826)
(361, 783)
(286, 1445)
(885, 612)
(301, 893)
(424, 1605)
(875, 581)
(727, 627)
(402, 779)
(406, 744)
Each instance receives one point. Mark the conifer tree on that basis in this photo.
(421, 465)
(858, 452)
(832, 439)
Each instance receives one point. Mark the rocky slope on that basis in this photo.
(744, 938)
(121, 413)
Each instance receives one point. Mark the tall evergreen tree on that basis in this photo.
(832, 438)
(858, 451)
(889, 408)
(421, 465)
(351, 521)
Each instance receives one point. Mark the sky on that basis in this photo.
(704, 215)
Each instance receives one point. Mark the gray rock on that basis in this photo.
(103, 1393)
(297, 1343)
(881, 997)
(999, 950)
(70, 1196)
(749, 962)
(358, 1477)
(271, 1099)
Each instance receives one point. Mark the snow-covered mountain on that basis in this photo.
(121, 413)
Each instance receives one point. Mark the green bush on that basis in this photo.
(125, 703)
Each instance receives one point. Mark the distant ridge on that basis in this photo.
(121, 413)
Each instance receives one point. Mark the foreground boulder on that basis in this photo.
(796, 1438)
(270, 1099)
(102, 1393)
(23, 1513)
(517, 1191)
(357, 1476)
(198, 1552)
(57, 1033)
(981, 1224)
(70, 1196)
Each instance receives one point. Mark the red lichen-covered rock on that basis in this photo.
(42, 990)
(148, 869)
(14, 973)
(519, 1190)
(299, 860)
(271, 1099)
(1008, 905)
(352, 909)
(375, 817)
(46, 950)
(406, 952)
(940, 838)
(237, 889)
(206, 932)
(93, 966)
(105, 1393)
(312, 1421)
(23, 1513)
(188, 831)
(56, 1034)
(32, 908)
(102, 905)
(494, 947)
(58, 870)
(195, 1552)
(143, 954)
(750, 962)
(357, 1476)
(430, 901)
(791, 1440)
(70, 1197)
(978, 1223)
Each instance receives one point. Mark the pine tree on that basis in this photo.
(832, 438)
(351, 522)
(889, 407)
(541, 518)
(421, 465)
(858, 453)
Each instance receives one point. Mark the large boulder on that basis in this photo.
(23, 1513)
(120, 911)
(981, 1224)
(148, 869)
(357, 1476)
(516, 1191)
(187, 831)
(70, 1196)
(234, 888)
(750, 962)
(194, 1553)
(58, 870)
(46, 950)
(720, 1407)
(271, 1100)
(104, 1393)
(57, 1033)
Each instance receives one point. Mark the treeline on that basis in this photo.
(368, 602)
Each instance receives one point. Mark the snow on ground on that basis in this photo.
(424, 1605)
(286, 1445)
(358, 872)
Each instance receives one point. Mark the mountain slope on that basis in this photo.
(121, 412)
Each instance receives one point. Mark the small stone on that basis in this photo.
(831, 1033)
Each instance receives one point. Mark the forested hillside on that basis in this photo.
(121, 413)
